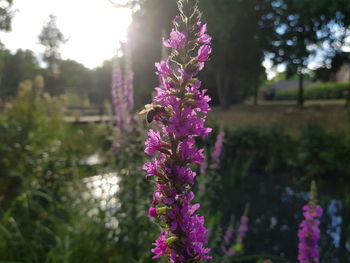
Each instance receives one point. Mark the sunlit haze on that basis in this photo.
(93, 28)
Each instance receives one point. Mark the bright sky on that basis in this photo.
(93, 27)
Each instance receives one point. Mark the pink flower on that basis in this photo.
(199, 96)
(177, 39)
(203, 37)
(185, 174)
(161, 246)
(157, 198)
(153, 143)
(189, 153)
(164, 68)
(203, 53)
(151, 168)
(152, 212)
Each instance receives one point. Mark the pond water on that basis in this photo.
(102, 191)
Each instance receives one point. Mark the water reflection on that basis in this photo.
(102, 191)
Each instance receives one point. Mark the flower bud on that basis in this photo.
(161, 210)
(172, 239)
(152, 212)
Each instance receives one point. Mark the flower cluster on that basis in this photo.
(216, 154)
(241, 232)
(309, 232)
(243, 229)
(179, 110)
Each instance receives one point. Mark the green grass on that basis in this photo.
(331, 115)
(339, 102)
(319, 91)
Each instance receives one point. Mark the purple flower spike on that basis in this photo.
(122, 92)
(203, 37)
(243, 229)
(309, 232)
(118, 97)
(228, 235)
(203, 53)
(218, 149)
(233, 246)
(178, 110)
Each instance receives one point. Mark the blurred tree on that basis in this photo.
(5, 14)
(3, 54)
(99, 86)
(5, 25)
(326, 73)
(74, 77)
(303, 29)
(52, 38)
(241, 31)
(232, 73)
(145, 36)
(289, 31)
(16, 68)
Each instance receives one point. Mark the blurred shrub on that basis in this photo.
(41, 158)
(322, 154)
(266, 148)
(314, 151)
(72, 99)
(136, 232)
(322, 91)
(47, 211)
(268, 169)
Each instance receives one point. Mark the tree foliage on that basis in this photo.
(305, 28)
(74, 77)
(145, 37)
(241, 32)
(52, 38)
(5, 14)
(15, 68)
(244, 32)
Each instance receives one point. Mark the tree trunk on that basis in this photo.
(256, 94)
(223, 86)
(347, 103)
(301, 90)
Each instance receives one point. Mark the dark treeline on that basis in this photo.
(244, 34)
(60, 76)
(72, 77)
